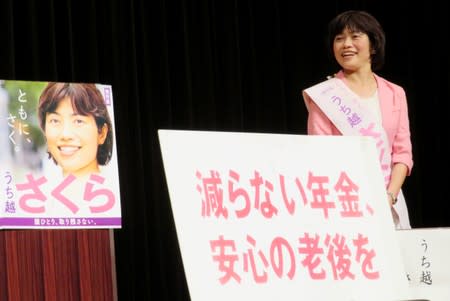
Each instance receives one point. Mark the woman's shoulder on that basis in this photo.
(386, 87)
(388, 83)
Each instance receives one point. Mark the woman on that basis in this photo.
(356, 42)
(77, 127)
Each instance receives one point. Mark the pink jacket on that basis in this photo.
(394, 112)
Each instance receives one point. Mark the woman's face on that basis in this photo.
(352, 50)
(73, 139)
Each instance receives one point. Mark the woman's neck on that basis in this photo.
(363, 84)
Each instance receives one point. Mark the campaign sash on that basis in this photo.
(345, 111)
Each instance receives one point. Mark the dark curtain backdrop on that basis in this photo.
(233, 65)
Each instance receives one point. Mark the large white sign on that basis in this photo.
(282, 217)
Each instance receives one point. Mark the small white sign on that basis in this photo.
(426, 257)
(282, 217)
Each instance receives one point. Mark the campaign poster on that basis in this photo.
(58, 158)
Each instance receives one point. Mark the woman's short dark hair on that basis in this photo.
(86, 100)
(359, 21)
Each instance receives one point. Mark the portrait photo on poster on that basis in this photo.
(59, 155)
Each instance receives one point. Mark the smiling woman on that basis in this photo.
(77, 127)
(368, 104)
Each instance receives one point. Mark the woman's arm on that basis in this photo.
(398, 175)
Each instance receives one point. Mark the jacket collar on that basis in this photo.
(385, 95)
